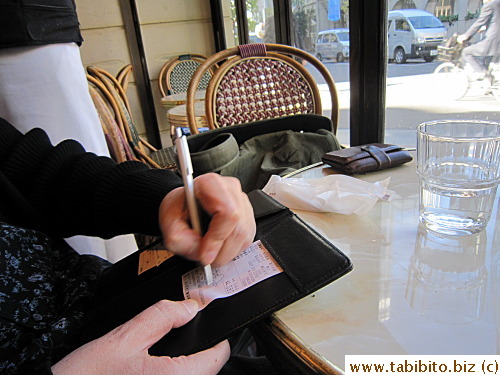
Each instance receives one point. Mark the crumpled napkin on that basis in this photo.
(334, 193)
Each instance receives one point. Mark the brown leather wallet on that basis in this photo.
(366, 158)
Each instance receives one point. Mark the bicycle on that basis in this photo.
(454, 78)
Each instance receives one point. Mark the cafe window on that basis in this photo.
(253, 21)
(308, 19)
(412, 88)
(422, 87)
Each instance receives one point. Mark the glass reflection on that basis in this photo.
(447, 276)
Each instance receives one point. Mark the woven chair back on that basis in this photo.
(260, 81)
(256, 89)
(175, 75)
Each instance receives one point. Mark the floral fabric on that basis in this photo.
(45, 287)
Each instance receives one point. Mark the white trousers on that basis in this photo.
(46, 87)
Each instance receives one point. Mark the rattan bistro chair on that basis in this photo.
(175, 75)
(118, 146)
(113, 107)
(258, 82)
(123, 76)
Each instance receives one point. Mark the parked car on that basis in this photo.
(413, 33)
(333, 44)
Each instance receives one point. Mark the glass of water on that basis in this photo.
(458, 164)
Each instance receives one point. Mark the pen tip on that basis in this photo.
(208, 275)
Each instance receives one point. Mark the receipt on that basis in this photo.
(252, 266)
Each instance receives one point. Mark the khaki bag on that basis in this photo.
(253, 152)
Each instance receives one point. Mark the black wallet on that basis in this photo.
(308, 260)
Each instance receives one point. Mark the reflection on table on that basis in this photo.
(412, 291)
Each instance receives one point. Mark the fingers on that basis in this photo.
(231, 228)
(125, 349)
(207, 362)
(178, 235)
(232, 225)
(152, 324)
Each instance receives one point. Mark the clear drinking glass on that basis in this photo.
(458, 163)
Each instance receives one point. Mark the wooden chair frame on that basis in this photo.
(113, 92)
(117, 144)
(123, 76)
(273, 51)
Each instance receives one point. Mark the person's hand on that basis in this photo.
(124, 350)
(231, 228)
(461, 38)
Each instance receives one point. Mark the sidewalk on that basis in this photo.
(410, 101)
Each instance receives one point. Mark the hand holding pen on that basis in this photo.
(197, 217)
(231, 228)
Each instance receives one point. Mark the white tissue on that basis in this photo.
(334, 193)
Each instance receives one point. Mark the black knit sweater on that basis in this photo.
(63, 190)
(47, 193)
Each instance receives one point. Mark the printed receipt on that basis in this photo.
(252, 266)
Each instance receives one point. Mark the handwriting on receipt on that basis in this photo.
(253, 265)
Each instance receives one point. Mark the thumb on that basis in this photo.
(156, 321)
(206, 362)
(211, 360)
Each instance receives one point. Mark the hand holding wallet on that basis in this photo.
(308, 261)
(366, 158)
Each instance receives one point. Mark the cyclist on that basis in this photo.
(479, 54)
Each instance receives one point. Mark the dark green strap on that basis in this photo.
(216, 154)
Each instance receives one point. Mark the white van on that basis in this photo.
(413, 33)
(333, 44)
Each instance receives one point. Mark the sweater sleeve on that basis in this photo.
(66, 191)
(483, 20)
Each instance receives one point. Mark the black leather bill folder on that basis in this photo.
(308, 260)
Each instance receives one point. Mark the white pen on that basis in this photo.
(186, 169)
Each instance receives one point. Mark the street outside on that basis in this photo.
(412, 98)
